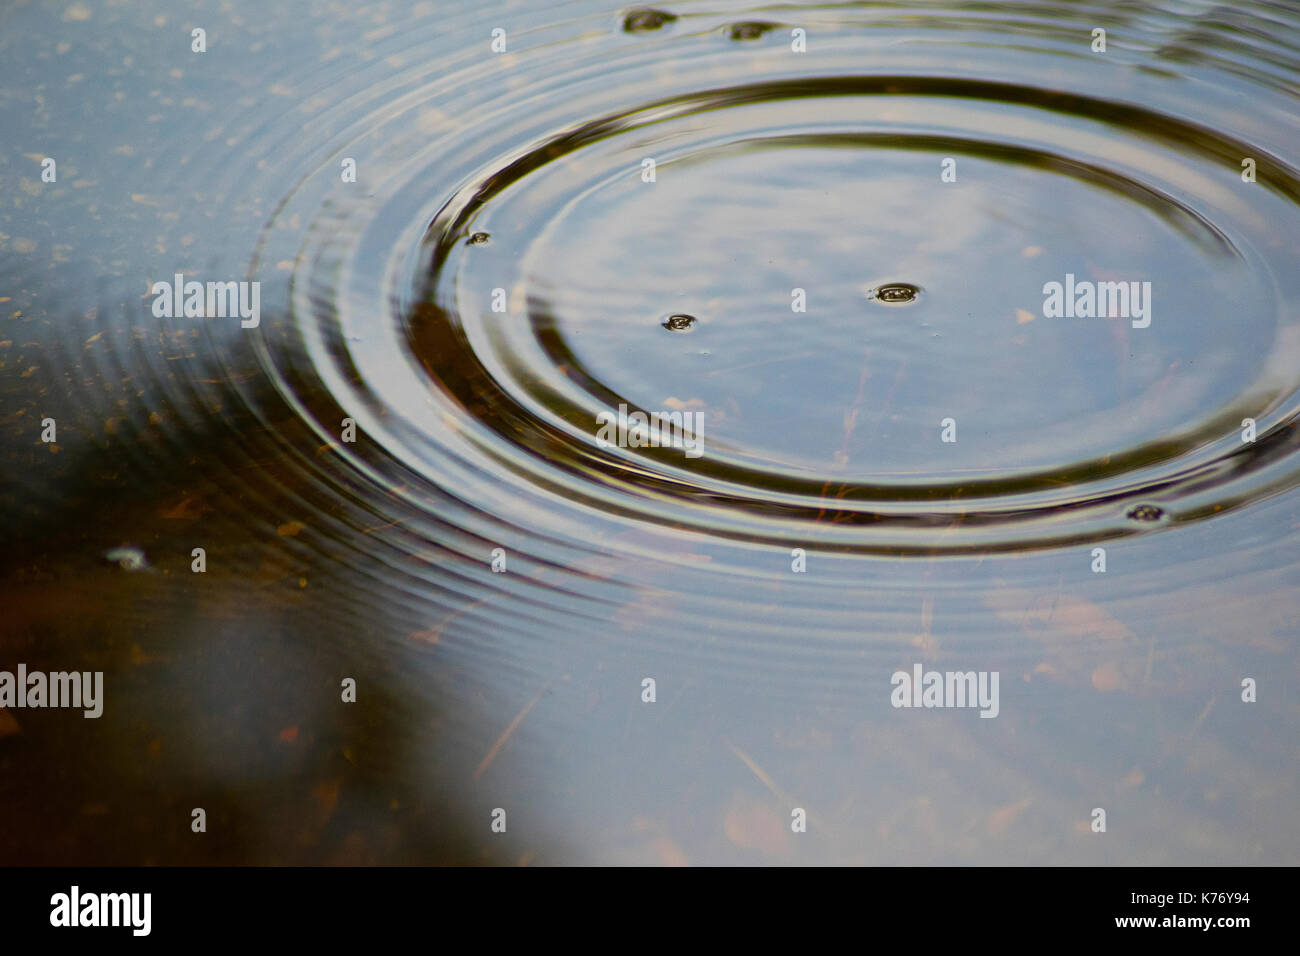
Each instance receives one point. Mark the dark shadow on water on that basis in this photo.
(222, 690)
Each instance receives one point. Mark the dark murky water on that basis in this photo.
(819, 236)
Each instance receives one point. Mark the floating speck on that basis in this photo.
(679, 322)
(749, 29)
(644, 19)
(1145, 513)
(479, 239)
(895, 293)
(127, 558)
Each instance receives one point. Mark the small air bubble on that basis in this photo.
(1145, 513)
(895, 293)
(643, 19)
(749, 30)
(679, 322)
(127, 558)
(479, 239)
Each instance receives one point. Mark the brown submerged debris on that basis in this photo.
(752, 824)
(509, 732)
(1002, 818)
(1084, 645)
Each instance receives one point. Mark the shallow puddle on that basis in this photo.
(638, 405)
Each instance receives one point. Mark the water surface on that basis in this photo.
(799, 276)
